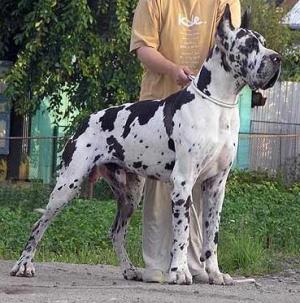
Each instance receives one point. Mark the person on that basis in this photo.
(172, 39)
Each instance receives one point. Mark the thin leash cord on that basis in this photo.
(213, 100)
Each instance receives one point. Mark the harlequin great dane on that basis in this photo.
(190, 134)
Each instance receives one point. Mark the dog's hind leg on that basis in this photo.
(213, 191)
(127, 188)
(66, 188)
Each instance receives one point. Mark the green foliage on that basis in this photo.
(76, 47)
(291, 69)
(264, 209)
(260, 223)
(80, 48)
(267, 19)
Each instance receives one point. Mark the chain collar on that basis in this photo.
(209, 98)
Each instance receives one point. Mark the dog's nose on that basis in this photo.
(275, 58)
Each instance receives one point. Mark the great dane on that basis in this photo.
(189, 135)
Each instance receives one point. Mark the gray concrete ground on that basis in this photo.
(70, 283)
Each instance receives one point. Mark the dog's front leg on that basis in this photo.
(181, 201)
(213, 191)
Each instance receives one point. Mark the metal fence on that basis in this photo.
(275, 150)
(273, 143)
(276, 147)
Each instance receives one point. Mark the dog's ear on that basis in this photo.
(246, 18)
(226, 23)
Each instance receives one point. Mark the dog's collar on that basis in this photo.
(213, 100)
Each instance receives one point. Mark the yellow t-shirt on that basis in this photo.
(182, 31)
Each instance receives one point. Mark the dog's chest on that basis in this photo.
(210, 137)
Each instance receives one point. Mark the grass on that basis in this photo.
(260, 226)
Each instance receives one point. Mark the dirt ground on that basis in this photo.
(70, 283)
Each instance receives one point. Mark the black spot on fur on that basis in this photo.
(88, 145)
(137, 164)
(225, 64)
(179, 202)
(226, 45)
(261, 67)
(34, 229)
(173, 268)
(206, 224)
(171, 144)
(96, 158)
(71, 145)
(172, 104)
(68, 152)
(252, 44)
(183, 183)
(232, 46)
(109, 117)
(188, 203)
(170, 166)
(71, 185)
(216, 239)
(116, 147)
(59, 188)
(241, 33)
(143, 111)
(204, 80)
(208, 254)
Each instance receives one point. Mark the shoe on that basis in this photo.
(153, 276)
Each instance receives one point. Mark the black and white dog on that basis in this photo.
(190, 134)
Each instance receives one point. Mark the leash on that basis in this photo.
(213, 100)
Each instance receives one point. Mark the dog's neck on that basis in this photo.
(216, 78)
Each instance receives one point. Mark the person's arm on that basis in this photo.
(145, 42)
(157, 63)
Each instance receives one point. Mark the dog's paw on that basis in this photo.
(23, 268)
(219, 278)
(132, 274)
(177, 276)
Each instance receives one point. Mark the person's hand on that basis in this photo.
(180, 75)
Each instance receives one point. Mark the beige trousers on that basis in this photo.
(158, 231)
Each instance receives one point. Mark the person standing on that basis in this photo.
(172, 39)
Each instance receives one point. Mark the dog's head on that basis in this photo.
(244, 53)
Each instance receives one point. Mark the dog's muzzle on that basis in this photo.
(276, 61)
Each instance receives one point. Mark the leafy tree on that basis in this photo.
(76, 47)
(81, 48)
